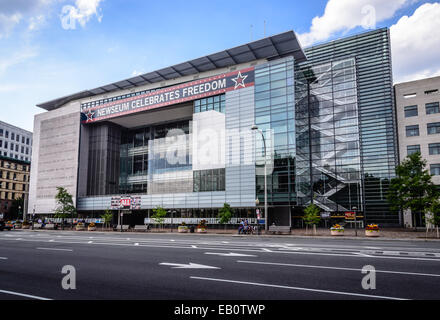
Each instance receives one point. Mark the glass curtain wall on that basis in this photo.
(377, 130)
(327, 133)
(275, 116)
(156, 159)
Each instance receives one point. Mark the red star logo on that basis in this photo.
(239, 81)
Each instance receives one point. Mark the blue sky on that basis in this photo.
(41, 60)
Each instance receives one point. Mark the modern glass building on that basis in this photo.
(346, 126)
(180, 137)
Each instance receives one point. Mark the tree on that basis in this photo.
(412, 189)
(159, 214)
(107, 217)
(225, 214)
(65, 207)
(311, 216)
(434, 215)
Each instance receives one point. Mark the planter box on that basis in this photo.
(337, 232)
(26, 226)
(91, 228)
(372, 233)
(201, 230)
(182, 229)
(80, 228)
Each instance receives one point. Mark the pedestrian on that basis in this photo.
(241, 227)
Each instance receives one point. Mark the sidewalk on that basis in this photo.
(385, 234)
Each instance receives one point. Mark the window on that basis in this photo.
(434, 128)
(412, 131)
(12, 147)
(22, 139)
(12, 136)
(432, 108)
(6, 146)
(434, 148)
(1, 132)
(17, 138)
(410, 95)
(411, 111)
(216, 103)
(435, 169)
(413, 149)
(435, 91)
(209, 180)
(7, 134)
(27, 141)
(1, 143)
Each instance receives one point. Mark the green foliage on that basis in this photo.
(65, 207)
(311, 215)
(225, 214)
(434, 210)
(159, 214)
(412, 188)
(107, 217)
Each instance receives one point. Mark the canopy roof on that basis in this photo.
(274, 47)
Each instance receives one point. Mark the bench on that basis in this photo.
(49, 226)
(141, 227)
(125, 227)
(37, 225)
(279, 229)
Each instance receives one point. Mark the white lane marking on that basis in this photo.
(23, 295)
(337, 268)
(52, 240)
(225, 241)
(3, 258)
(230, 254)
(172, 240)
(242, 249)
(298, 288)
(55, 249)
(187, 266)
(136, 244)
(90, 242)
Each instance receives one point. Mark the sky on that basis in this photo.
(53, 48)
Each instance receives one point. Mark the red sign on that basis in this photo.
(173, 95)
(125, 202)
(349, 215)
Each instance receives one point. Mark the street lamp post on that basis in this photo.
(266, 213)
(355, 221)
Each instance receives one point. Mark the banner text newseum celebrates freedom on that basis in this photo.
(177, 94)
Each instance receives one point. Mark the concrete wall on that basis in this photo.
(420, 99)
(55, 156)
(418, 88)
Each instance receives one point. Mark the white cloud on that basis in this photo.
(82, 12)
(137, 73)
(13, 12)
(36, 22)
(8, 23)
(16, 57)
(415, 44)
(345, 15)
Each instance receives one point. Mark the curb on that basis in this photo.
(249, 235)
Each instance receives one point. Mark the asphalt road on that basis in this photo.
(186, 266)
